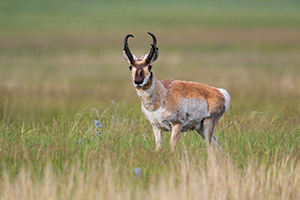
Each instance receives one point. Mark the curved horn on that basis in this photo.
(154, 38)
(126, 48)
(153, 48)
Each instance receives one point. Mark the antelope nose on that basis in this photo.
(138, 82)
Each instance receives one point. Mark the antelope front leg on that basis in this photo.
(157, 134)
(176, 129)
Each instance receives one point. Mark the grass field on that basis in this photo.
(62, 68)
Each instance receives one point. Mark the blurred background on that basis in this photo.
(58, 57)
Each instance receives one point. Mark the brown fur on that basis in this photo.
(166, 83)
(177, 89)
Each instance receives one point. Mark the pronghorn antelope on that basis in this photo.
(174, 105)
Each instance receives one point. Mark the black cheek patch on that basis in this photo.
(150, 67)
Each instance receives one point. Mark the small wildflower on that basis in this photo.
(138, 172)
(98, 126)
(96, 122)
(79, 141)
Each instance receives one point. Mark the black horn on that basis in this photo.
(126, 48)
(153, 48)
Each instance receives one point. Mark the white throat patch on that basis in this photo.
(146, 93)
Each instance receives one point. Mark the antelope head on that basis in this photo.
(140, 68)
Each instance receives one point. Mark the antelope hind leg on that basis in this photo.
(206, 131)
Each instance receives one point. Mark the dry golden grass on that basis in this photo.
(216, 178)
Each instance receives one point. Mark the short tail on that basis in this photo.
(227, 98)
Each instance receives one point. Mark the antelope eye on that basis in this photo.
(130, 68)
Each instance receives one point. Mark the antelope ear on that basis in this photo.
(127, 59)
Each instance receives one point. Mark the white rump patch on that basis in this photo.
(227, 98)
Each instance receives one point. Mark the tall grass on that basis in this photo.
(186, 178)
(67, 159)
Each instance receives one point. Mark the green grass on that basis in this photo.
(61, 68)
(259, 136)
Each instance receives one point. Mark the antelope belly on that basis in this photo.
(189, 113)
(193, 112)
